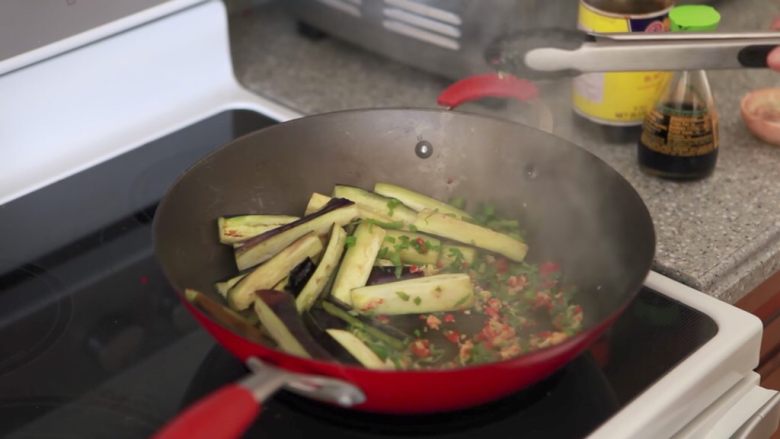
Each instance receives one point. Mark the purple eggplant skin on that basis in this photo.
(282, 304)
(317, 321)
(383, 275)
(300, 275)
(333, 204)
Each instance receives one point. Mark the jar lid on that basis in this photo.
(694, 18)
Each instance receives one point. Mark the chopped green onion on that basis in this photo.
(395, 225)
(462, 301)
(392, 204)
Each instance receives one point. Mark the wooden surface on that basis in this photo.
(764, 302)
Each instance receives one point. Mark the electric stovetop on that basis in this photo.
(94, 343)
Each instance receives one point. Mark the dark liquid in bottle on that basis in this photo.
(685, 148)
(678, 168)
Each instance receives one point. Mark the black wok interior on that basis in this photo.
(575, 209)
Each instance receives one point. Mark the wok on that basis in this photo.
(576, 210)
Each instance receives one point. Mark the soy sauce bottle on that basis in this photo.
(679, 137)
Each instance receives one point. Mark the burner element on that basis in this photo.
(83, 418)
(116, 341)
(32, 318)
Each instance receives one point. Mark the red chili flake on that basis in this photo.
(548, 268)
(487, 334)
(414, 269)
(439, 264)
(464, 265)
(502, 265)
(372, 304)
(542, 300)
(421, 243)
(544, 334)
(493, 307)
(516, 281)
(433, 322)
(143, 280)
(492, 312)
(465, 350)
(383, 319)
(421, 348)
(449, 318)
(452, 336)
(423, 317)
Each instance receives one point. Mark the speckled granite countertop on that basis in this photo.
(720, 236)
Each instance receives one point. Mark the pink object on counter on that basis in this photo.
(761, 112)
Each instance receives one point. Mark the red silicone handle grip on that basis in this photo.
(226, 413)
(488, 85)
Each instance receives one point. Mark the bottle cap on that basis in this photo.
(694, 18)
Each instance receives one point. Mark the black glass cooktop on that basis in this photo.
(94, 344)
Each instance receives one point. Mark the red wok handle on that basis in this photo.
(226, 413)
(495, 85)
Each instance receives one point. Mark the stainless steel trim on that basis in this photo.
(686, 36)
(266, 379)
(633, 53)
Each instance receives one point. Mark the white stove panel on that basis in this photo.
(700, 380)
(70, 112)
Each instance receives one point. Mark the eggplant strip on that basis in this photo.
(263, 247)
(442, 292)
(330, 261)
(370, 329)
(277, 314)
(358, 261)
(233, 230)
(358, 349)
(452, 228)
(418, 201)
(265, 276)
(388, 207)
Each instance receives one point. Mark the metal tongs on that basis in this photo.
(556, 52)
